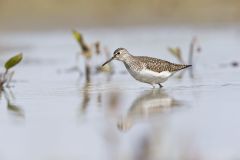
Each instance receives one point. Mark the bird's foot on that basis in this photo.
(160, 86)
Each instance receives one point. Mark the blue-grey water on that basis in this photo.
(59, 115)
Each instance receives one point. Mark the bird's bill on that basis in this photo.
(108, 61)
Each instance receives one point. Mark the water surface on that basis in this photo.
(59, 115)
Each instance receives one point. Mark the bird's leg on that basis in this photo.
(160, 86)
(153, 86)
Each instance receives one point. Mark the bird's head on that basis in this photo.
(119, 54)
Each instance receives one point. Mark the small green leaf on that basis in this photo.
(13, 61)
(78, 36)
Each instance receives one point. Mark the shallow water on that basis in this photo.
(58, 115)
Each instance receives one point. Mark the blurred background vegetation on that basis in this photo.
(60, 14)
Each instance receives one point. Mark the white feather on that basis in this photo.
(151, 77)
(155, 77)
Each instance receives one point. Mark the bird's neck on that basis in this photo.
(128, 58)
(133, 64)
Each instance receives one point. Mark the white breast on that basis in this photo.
(151, 77)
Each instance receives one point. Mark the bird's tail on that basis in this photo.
(181, 66)
(186, 66)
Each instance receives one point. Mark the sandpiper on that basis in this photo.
(146, 69)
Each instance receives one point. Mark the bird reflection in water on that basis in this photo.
(148, 104)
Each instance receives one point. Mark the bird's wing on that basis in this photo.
(158, 65)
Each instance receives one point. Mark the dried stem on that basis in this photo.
(190, 58)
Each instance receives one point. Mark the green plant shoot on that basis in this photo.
(78, 36)
(13, 61)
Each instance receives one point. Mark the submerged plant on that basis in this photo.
(11, 106)
(89, 52)
(108, 68)
(6, 77)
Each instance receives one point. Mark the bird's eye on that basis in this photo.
(118, 53)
